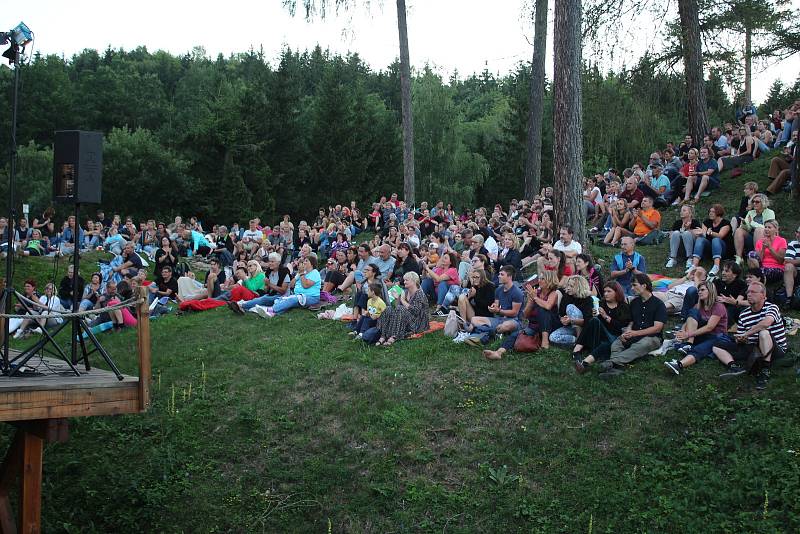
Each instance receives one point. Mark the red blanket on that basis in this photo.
(201, 305)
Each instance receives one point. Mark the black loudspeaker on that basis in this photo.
(77, 167)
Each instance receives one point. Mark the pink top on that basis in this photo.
(769, 260)
(720, 311)
(451, 272)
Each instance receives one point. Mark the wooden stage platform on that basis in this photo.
(39, 407)
(56, 392)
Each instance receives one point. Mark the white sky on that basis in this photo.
(466, 35)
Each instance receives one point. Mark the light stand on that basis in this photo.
(14, 52)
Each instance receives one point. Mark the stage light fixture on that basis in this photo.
(19, 36)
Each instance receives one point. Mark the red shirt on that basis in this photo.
(630, 196)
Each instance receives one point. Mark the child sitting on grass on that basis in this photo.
(375, 307)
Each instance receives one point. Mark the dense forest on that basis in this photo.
(228, 138)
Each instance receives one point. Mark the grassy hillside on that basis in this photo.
(292, 427)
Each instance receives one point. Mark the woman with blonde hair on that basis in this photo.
(249, 287)
(477, 296)
(706, 325)
(574, 308)
(751, 228)
(508, 254)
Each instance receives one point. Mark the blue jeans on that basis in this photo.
(264, 300)
(701, 245)
(567, 335)
(365, 323)
(287, 303)
(703, 344)
(440, 291)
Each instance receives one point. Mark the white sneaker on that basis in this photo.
(689, 263)
(671, 263)
(461, 337)
(714, 270)
(663, 349)
(261, 311)
(19, 333)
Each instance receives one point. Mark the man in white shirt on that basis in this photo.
(566, 244)
(253, 233)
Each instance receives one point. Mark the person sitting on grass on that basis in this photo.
(769, 253)
(627, 264)
(47, 304)
(620, 219)
(716, 237)
(439, 281)
(35, 246)
(705, 176)
(684, 232)
(91, 292)
(608, 319)
(648, 319)
(477, 296)
(540, 307)
(705, 327)
(507, 307)
(166, 287)
(760, 338)
(751, 228)
(374, 308)
(731, 290)
(305, 286)
(408, 316)
(574, 310)
(646, 223)
(584, 266)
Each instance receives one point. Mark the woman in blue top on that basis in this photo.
(305, 288)
(200, 247)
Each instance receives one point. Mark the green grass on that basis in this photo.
(292, 427)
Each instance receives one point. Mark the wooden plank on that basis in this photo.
(78, 410)
(17, 400)
(30, 491)
(8, 475)
(143, 342)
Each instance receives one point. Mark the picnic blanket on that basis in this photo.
(201, 305)
(661, 282)
(435, 326)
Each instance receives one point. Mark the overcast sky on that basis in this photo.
(466, 35)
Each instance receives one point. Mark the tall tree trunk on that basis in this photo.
(748, 65)
(405, 98)
(533, 160)
(567, 118)
(693, 67)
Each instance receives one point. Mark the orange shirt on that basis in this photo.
(640, 228)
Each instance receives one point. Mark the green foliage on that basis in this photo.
(136, 167)
(230, 138)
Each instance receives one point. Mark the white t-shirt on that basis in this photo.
(255, 235)
(574, 246)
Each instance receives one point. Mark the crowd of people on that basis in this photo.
(503, 273)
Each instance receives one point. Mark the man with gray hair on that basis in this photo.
(760, 338)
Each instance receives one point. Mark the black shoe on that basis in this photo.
(734, 369)
(762, 379)
(580, 366)
(674, 366)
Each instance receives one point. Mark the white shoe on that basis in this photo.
(714, 270)
(689, 264)
(19, 333)
(671, 263)
(261, 311)
(461, 337)
(664, 348)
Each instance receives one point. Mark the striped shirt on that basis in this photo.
(749, 318)
(793, 250)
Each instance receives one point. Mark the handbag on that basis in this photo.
(528, 342)
(451, 325)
